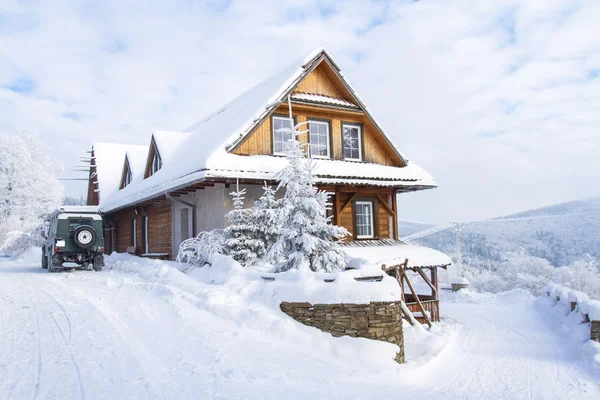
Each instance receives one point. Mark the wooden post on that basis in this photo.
(414, 293)
(428, 282)
(395, 217)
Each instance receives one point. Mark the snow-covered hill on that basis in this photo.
(561, 234)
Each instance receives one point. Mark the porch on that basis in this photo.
(415, 268)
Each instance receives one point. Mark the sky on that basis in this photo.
(498, 100)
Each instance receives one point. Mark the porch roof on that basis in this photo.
(391, 252)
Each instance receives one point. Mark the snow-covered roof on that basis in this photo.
(137, 156)
(108, 160)
(390, 255)
(168, 142)
(318, 98)
(203, 151)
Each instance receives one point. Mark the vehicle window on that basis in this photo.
(75, 223)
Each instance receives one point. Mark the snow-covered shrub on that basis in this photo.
(17, 243)
(29, 188)
(241, 238)
(307, 237)
(198, 251)
(522, 271)
(265, 216)
(582, 274)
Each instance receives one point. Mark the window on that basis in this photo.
(352, 139)
(282, 133)
(364, 219)
(146, 234)
(156, 163)
(127, 177)
(133, 233)
(75, 223)
(319, 139)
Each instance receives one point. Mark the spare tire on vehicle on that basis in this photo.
(84, 236)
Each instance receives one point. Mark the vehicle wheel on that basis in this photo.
(50, 264)
(84, 236)
(98, 263)
(44, 259)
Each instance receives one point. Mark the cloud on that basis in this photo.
(498, 100)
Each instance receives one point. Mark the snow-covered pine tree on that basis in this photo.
(307, 238)
(240, 237)
(265, 216)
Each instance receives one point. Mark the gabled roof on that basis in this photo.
(168, 142)
(135, 160)
(108, 161)
(206, 150)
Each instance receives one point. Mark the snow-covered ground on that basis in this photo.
(143, 330)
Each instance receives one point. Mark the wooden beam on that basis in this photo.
(351, 189)
(385, 204)
(414, 293)
(428, 282)
(395, 208)
(348, 202)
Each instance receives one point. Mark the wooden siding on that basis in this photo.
(159, 224)
(318, 83)
(93, 199)
(260, 142)
(346, 196)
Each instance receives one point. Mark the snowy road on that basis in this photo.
(117, 335)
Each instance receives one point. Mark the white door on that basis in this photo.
(185, 223)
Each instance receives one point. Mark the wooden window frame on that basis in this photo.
(329, 137)
(361, 139)
(133, 233)
(374, 213)
(280, 116)
(146, 234)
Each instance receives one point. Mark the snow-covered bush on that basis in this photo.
(522, 271)
(241, 239)
(17, 243)
(198, 251)
(29, 188)
(307, 239)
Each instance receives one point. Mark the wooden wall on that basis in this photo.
(345, 217)
(317, 82)
(160, 228)
(92, 196)
(260, 142)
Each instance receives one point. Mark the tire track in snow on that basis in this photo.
(66, 340)
(161, 379)
(529, 386)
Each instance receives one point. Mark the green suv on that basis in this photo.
(74, 239)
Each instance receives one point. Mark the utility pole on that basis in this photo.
(458, 226)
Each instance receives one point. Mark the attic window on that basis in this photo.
(352, 140)
(156, 163)
(319, 139)
(127, 177)
(282, 133)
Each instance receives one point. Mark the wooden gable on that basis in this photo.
(324, 80)
(93, 198)
(317, 82)
(126, 170)
(151, 154)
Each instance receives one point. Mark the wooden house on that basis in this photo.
(187, 176)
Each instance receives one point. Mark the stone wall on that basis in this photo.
(376, 320)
